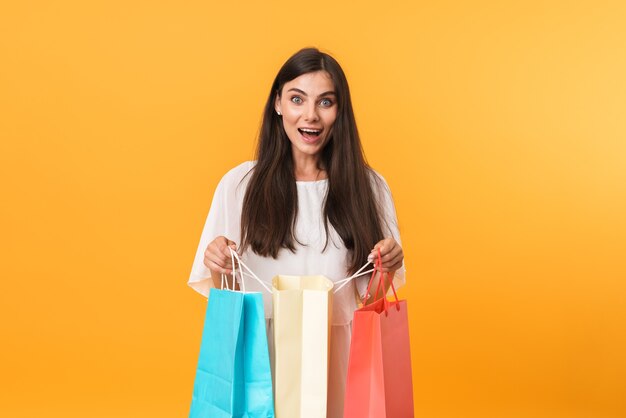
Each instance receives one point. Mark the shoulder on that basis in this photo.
(385, 204)
(379, 184)
(376, 176)
(239, 172)
(236, 176)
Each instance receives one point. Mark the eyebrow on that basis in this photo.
(326, 93)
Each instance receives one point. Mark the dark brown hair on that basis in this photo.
(270, 204)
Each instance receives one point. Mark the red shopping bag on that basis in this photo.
(379, 383)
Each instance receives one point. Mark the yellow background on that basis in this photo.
(500, 127)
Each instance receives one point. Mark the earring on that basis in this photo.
(279, 114)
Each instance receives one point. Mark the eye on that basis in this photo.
(296, 99)
(326, 103)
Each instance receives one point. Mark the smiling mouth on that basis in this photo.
(310, 135)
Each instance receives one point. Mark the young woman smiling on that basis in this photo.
(308, 205)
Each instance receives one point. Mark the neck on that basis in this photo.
(307, 168)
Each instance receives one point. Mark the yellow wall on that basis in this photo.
(500, 128)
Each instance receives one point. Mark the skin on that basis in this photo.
(307, 101)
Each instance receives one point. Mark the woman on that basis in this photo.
(308, 205)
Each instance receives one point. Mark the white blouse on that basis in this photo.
(310, 258)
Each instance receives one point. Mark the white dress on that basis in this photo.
(224, 220)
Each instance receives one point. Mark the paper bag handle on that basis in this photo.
(234, 256)
(378, 268)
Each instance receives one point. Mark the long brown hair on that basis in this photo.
(351, 206)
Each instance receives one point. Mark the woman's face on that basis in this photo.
(308, 105)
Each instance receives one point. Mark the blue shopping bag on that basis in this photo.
(233, 378)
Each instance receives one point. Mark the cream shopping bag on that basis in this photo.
(302, 310)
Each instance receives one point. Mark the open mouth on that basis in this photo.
(310, 135)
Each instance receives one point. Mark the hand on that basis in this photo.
(390, 253)
(217, 255)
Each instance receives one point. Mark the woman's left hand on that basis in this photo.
(390, 253)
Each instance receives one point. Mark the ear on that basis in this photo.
(277, 105)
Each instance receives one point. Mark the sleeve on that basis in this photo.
(390, 229)
(200, 278)
(224, 219)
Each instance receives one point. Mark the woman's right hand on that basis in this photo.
(217, 255)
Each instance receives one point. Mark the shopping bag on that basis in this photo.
(379, 383)
(301, 314)
(233, 378)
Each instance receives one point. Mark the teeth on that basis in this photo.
(310, 131)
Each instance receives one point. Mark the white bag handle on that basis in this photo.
(234, 274)
(234, 256)
(355, 275)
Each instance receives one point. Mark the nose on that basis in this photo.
(310, 114)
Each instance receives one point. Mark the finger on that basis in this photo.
(217, 264)
(393, 259)
(387, 244)
(218, 259)
(385, 247)
(217, 269)
(397, 266)
(374, 252)
(380, 245)
(219, 250)
(392, 267)
(221, 244)
(226, 252)
(228, 246)
(392, 254)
